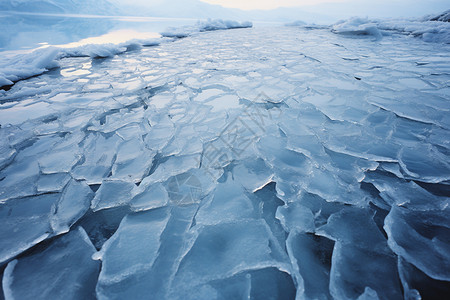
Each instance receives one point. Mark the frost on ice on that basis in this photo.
(233, 164)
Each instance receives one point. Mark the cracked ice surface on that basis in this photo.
(255, 163)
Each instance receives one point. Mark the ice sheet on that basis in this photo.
(236, 163)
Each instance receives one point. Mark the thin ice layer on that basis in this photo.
(421, 238)
(25, 222)
(133, 248)
(63, 270)
(72, 205)
(358, 239)
(246, 245)
(154, 280)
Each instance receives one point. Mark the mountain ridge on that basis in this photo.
(97, 7)
(164, 8)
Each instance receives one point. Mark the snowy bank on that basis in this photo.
(444, 17)
(22, 66)
(357, 26)
(202, 26)
(109, 50)
(430, 29)
(27, 65)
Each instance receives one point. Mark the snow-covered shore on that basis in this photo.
(434, 29)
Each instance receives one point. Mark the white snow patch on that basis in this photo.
(27, 65)
(357, 26)
(202, 26)
(429, 31)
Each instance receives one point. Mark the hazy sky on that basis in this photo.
(268, 4)
(334, 8)
(388, 8)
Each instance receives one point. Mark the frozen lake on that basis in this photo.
(22, 31)
(266, 162)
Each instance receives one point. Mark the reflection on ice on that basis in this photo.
(114, 37)
(27, 31)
